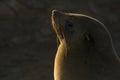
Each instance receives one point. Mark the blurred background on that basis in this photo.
(28, 42)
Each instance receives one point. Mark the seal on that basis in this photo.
(86, 50)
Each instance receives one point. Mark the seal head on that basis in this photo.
(86, 51)
(73, 28)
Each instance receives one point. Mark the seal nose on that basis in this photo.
(56, 12)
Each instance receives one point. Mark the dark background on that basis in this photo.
(28, 42)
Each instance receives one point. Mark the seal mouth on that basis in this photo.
(56, 24)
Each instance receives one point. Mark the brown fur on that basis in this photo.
(86, 51)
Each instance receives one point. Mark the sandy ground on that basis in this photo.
(27, 41)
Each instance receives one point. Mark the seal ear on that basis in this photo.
(89, 38)
(100, 34)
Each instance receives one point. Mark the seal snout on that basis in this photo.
(55, 12)
(56, 23)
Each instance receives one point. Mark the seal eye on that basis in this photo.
(69, 26)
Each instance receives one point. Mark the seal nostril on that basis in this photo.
(54, 11)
